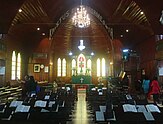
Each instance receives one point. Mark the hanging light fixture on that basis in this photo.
(81, 46)
(81, 18)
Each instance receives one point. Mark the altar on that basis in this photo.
(81, 69)
(81, 79)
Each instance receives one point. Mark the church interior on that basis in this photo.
(81, 61)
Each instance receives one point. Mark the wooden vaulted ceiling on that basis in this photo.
(118, 14)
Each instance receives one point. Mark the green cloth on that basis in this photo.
(82, 79)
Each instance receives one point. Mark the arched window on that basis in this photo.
(98, 68)
(13, 67)
(18, 71)
(73, 63)
(59, 67)
(16, 66)
(73, 66)
(103, 68)
(81, 64)
(64, 67)
(89, 66)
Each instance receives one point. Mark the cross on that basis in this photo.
(81, 80)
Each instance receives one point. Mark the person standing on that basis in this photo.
(32, 85)
(146, 85)
(155, 90)
(25, 85)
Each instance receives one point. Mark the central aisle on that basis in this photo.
(82, 113)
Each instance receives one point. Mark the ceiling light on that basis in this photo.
(127, 30)
(70, 53)
(92, 54)
(81, 46)
(43, 34)
(20, 10)
(81, 18)
(121, 35)
(38, 29)
(141, 13)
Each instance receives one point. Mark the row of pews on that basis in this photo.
(117, 106)
(101, 106)
(44, 107)
(9, 93)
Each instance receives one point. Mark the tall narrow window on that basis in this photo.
(73, 67)
(81, 63)
(16, 66)
(59, 67)
(18, 71)
(98, 67)
(63, 67)
(13, 67)
(103, 67)
(89, 66)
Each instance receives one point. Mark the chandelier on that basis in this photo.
(81, 18)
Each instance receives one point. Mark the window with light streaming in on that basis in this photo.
(13, 67)
(103, 68)
(64, 67)
(18, 71)
(73, 66)
(98, 68)
(16, 66)
(89, 66)
(81, 63)
(59, 67)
